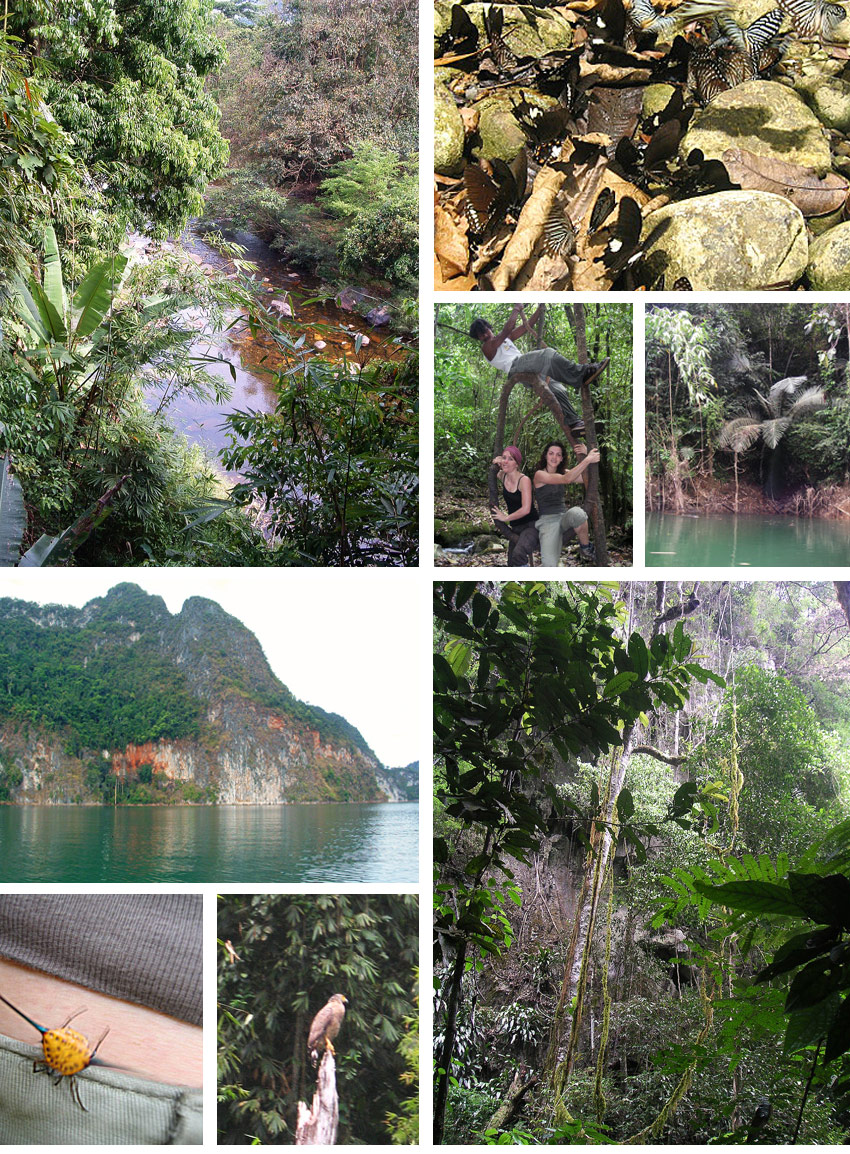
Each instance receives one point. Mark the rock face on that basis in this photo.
(189, 697)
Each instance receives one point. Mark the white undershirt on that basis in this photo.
(505, 355)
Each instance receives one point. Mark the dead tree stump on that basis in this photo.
(317, 1126)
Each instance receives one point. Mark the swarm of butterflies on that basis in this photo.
(594, 164)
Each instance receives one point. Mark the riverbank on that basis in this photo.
(708, 495)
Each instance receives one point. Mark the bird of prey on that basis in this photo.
(326, 1025)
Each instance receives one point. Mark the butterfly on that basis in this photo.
(736, 54)
(813, 17)
(489, 195)
(545, 129)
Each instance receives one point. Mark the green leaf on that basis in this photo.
(625, 805)
(619, 684)
(94, 296)
(807, 1026)
(639, 655)
(825, 899)
(480, 610)
(54, 288)
(28, 309)
(13, 517)
(753, 896)
(838, 1039)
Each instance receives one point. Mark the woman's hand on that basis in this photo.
(498, 514)
(592, 457)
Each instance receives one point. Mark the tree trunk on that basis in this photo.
(444, 1062)
(317, 1126)
(592, 503)
(842, 590)
(503, 1117)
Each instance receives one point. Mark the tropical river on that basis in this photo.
(371, 843)
(746, 540)
(254, 358)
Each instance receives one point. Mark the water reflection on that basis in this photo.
(259, 844)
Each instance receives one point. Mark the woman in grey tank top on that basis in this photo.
(549, 492)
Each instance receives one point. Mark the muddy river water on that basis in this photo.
(255, 358)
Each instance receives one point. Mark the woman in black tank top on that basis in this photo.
(518, 523)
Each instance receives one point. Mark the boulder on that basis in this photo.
(731, 241)
(448, 133)
(349, 299)
(764, 117)
(281, 307)
(378, 317)
(829, 260)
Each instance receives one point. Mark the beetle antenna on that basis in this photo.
(41, 1029)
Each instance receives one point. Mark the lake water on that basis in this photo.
(374, 843)
(745, 541)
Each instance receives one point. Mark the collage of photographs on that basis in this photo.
(267, 265)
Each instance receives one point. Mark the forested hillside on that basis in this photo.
(642, 863)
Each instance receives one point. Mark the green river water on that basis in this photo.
(251, 844)
(746, 541)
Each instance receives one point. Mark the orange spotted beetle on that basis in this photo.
(66, 1052)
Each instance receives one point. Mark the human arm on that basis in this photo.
(509, 330)
(523, 510)
(147, 1042)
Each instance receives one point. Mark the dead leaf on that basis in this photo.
(450, 244)
(529, 229)
(550, 272)
(812, 194)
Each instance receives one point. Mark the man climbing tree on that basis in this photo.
(502, 353)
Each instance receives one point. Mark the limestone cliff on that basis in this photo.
(121, 696)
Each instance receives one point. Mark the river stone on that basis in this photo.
(498, 129)
(521, 36)
(448, 132)
(731, 241)
(656, 97)
(762, 117)
(829, 100)
(829, 260)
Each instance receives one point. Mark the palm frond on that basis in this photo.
(740, 434)
(808, 402)
(773, 431)
(787, 387)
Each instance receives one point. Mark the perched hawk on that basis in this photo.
(326, 1026)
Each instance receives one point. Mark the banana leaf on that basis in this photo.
(94, 296)
(54, 286)
(54, 550)
(13, 517)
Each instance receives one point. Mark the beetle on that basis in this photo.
(66, 1052)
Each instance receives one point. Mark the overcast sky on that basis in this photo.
(342, 639)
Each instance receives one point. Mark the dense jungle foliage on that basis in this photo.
(642, 861)
(320, 107)
(747, 405)
(280, 959)
(467, 390)
(112, 121)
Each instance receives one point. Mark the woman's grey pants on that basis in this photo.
(550, 527)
